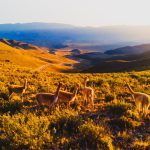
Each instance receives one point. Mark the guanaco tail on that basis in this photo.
(17, 89)
(68, 96)
(48, 99)
(142, 100)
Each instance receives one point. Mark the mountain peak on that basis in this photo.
(4, 40)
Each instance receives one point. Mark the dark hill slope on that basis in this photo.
(138, 62)
(129, 50)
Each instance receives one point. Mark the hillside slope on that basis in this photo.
(34, 58)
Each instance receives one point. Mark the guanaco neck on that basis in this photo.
(25, 84)
(130, 89)
(75, 91)
(57, 91)
(85, 83)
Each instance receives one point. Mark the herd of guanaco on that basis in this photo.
(142, 100)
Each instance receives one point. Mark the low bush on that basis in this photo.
(65, 122)
(123, 123)
(10, 106)
(118, 109)
(94, 137)
(24, 131)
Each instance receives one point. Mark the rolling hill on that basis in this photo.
(129, 50)
(31, 56)
(123, 64)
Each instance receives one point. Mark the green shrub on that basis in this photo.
(140, 145)
(94, 137)
(118, 109)
(123, 123)
(109, 98)
(10, 106)
(65, 122)
(24, 131)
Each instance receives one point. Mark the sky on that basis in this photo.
(76, 12)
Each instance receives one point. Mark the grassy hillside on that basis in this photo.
(34, 58)
(113, 123)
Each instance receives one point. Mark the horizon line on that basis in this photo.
(97, 26)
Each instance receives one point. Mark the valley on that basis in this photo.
(71, 59)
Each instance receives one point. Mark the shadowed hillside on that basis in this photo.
(136, 58)
(128, 50)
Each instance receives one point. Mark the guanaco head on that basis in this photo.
(86, 79)
(129, 87)
(58, 88)
(77, 86)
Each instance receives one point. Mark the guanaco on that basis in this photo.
(48, 99)
(17, 89)
(68, 96)
(142, 100)
(88, 93)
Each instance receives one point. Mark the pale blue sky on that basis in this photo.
(76, 12)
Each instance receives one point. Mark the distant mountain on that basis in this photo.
(75, 52)
(53, 35)
(129, 50)
(33, 26)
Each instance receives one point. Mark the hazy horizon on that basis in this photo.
(93, 13)
(117, 25)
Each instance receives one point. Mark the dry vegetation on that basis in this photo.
(35, 59)
(114, 123)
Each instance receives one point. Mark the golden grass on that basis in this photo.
(109, 125)
(34, 58)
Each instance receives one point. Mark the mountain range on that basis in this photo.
(55, 35)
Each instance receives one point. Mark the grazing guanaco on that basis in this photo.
(142, 100)
(17, 89)
(68, 96)
(88, 93)
(48, 99)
